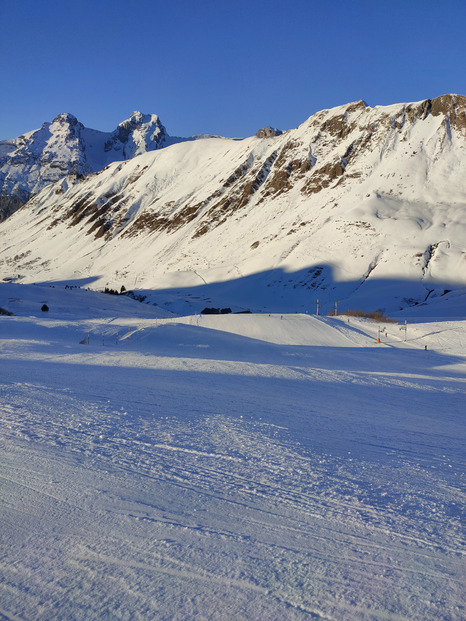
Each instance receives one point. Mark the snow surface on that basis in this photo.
(227, 467)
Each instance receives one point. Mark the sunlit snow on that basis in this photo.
(262, 466)
(264, 223)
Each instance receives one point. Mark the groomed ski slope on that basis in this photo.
(227, 467)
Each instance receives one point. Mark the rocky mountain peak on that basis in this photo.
(138, 118)
(453, 106)
(66, 118)
(136, 135)
(268, 132)
(66, 147)
(67, 128)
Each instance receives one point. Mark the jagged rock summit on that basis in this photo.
(65, 147)
(268, 132)
(138, 134)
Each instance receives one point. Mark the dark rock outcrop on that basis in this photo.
(268, 132)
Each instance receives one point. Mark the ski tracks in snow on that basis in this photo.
(136, 486)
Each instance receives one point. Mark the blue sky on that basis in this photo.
(218, 66)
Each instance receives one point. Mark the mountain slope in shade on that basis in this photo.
(358, 206)
(65, 147)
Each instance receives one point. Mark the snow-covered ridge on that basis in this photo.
(65, 147)
(360, 206)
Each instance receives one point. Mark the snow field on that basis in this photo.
(228, 467)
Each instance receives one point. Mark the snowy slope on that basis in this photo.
(235, 467)
(363, 207)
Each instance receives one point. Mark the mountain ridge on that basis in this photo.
(353, 195)
(66, 147)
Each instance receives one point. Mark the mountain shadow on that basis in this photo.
(306, 291)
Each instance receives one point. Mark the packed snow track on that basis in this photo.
(235, 467)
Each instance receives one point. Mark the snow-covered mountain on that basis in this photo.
(359, 206)
(65, 147)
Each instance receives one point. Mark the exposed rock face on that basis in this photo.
(454, 109)
(268, 132)
(65, 147)
(136, 135)
(10, 204)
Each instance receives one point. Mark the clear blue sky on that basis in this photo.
(220, 66)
